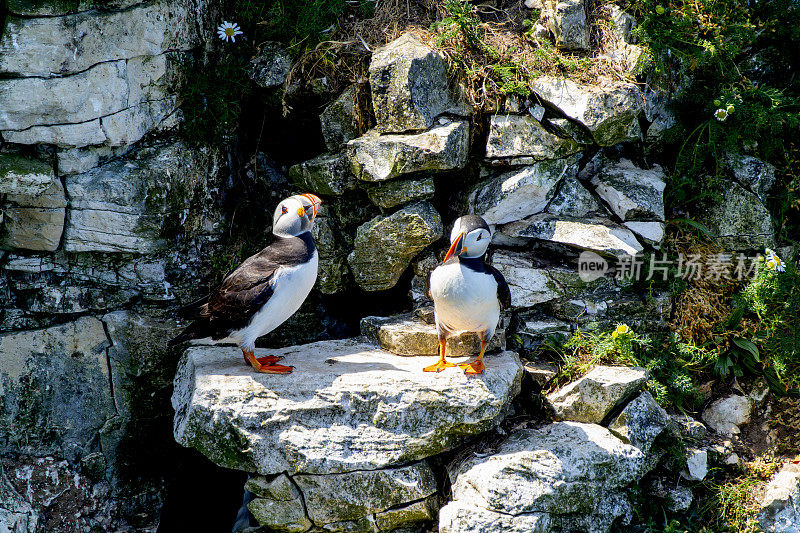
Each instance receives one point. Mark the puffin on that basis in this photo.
(265, 290)
(467, 294)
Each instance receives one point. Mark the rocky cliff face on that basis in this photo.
(109, 218)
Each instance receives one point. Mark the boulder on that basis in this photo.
(408, 335)
(339, 121)
(35, 222)
(375, 157)
(409, 85)
(591, 233)
(569, 23)
(689, 427)
(658, 112)
(65, 7)
(24, 176)
(534, 330)
(640, 423)
(633, 193)
(610, 110)
(327, 174)
(271, 65)
(278, 504)
(353, 496)
(752, 173)
(348, 406)
(45, 46)
(75, 160)
(133, 204)
(514, 195)
(333, 269)
(529, 285)
(422, 268)
(725, 415)
(676, 497)
(40, 372)
(388, 194)
(739, 220)
(573, 200)
(651, 233)
(592, 397)
(523, 135)
(696, 465)
(565, 476)
(385, 245)
(780, 506)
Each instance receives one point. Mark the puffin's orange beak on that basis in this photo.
(455, 248)
(315, 202)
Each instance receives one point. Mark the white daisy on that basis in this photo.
(774, 262)
(228, 30)
(721, 114)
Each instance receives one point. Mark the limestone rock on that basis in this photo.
(407, 335)
(516, 136)
(592, 397)
(529, 285)
(354, 495)
(16, 514)
(35, 222)
(377, 157)
(131, 204)
(678, 498)
(407, 516)
(520, 193)
(385, 245)
(333, 269)
(633, 193)
(24, 176)
(339, 121)
(640, 422)
(388, 194)
(409, 85)
(752, 173)
(610, 110)
(622, 23)
(39, 372)
(569, 24)
(573, 200)
(348, 406)
(591, 233)
(540, 372)
(65, 7)
(270, 66)
(327, 174)
(44, 46)
(727, 414)
(534, 331)
(689, 427)
(780, 507)
(61, 135)
(564, 475)
(278, 504)
(658, 111)
(740, 220)
(75, 160)
(651, 233)
(696, 465)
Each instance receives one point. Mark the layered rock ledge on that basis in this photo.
(348, 406)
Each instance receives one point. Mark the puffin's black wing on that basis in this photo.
(503, 292)
(245, 290)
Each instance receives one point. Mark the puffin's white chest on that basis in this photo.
(464, 300)
(290, 289)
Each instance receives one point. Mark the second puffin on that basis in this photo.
(467, 293)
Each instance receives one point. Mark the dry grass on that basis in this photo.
(505, 59)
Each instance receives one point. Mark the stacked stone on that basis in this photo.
(348, 442)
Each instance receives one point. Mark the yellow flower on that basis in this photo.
(621, 330)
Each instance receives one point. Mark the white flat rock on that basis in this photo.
(347, 406)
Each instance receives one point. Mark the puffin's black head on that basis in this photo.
(470, 237)
(295, 215)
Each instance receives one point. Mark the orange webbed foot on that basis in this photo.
(266, 365)
(439, 366)
(473, 368)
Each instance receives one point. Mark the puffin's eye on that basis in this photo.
(480, 236)
(284, 210)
